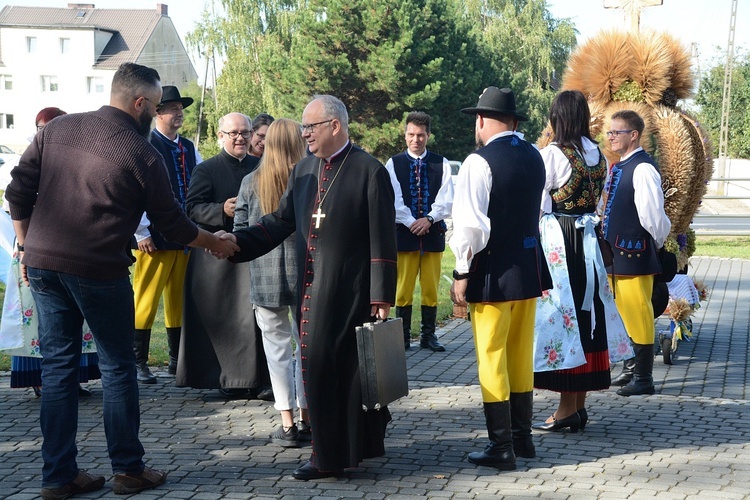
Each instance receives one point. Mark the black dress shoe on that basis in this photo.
(573, 422)
(308, 472)
(266, 395)
(226, 395)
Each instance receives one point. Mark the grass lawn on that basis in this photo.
(730, 247)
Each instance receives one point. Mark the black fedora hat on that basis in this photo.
(495, 100)
(170, 93)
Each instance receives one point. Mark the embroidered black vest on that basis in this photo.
(634, 249)
(175, 156)
(581, 193)
(512, 266)
(420, 183)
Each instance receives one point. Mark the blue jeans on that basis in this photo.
(62, 301)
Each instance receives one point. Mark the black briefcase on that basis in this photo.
(382, 363)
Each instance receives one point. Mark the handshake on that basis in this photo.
(223, 245)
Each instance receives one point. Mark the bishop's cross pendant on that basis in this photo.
(317, 216)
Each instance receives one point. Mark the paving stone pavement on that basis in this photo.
(690, 440)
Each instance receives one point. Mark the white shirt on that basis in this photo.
(439, 210)
(649, 200)
(558, 168)
(471, 225)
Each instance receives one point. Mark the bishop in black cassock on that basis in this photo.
(341, 204)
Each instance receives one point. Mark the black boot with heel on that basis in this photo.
(141, 342)
(405, 314)
(173, 340)
(499, 453)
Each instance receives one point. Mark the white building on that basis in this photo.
(66, 57)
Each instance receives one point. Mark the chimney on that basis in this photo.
(80, 5)
(162, 9)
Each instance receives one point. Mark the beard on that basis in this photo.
(479, 142)
(144, 124)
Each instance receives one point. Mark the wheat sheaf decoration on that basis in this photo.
(648, 72)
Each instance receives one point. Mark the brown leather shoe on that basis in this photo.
(83, 483)
(125, 484)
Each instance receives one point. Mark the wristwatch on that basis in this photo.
(429, 218)
(459, 276)
(19, 247)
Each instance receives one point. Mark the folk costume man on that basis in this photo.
(160, 264)
(220, 347)
(500, 271)
(635, 224)
(340, 202)
(424, 196)
(76, 260)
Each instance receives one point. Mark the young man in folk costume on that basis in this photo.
(635, 224)
(424, 197)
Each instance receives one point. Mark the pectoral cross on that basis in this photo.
(632, 9)
(317, 216)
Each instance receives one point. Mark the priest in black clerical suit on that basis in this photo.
(341, 204)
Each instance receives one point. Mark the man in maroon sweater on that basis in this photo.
(76, 198)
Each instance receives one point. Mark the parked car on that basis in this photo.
(8, 160)
(455, 166)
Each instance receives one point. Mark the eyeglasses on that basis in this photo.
(246, 134)
(615, 133)
(310, 128)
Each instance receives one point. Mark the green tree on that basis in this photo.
(709, 98)
(383, 59)
(528, 50)
(237, 31)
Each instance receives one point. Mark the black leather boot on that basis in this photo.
(626, 375)
(141, 342)
(427, 338)
(173, 340)
(521, 413)
(499, 453)
(405, 314)
(643, 380)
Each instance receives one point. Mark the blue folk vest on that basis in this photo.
(634, 249)
(175, 155)
(419, 187)
(512, 266)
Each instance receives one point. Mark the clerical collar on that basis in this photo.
(230, 155)
(334, 157)
(411, 155)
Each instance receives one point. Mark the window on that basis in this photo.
(30, 44)
(6, 120)
(64, 45)
(6, 82)
(49, 83)
(95, 84)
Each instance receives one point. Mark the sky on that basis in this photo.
(704, 22)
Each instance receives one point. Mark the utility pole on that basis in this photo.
(203, 96)
(725, 103)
